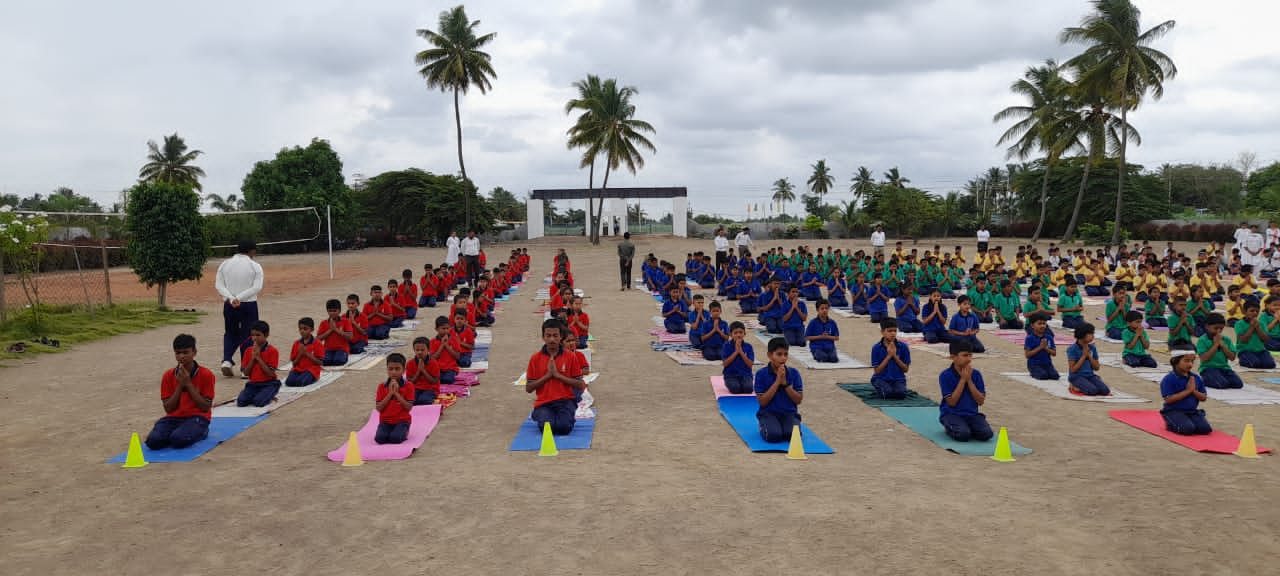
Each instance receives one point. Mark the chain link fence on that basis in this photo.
(72, 268)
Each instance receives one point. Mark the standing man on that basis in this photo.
(744, 244)
(626, 253)
(984, 238)
(877, 241)
(471, 255)
(1252, 249)
(722, 247)
(1273, 234)
(451, 257)
(239, 281)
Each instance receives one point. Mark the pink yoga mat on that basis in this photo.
(467, 379)
(717, 386)
(456, 389)
(1150, 421)
(669, 338)
(425, 419)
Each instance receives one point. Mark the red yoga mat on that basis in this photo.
(1150, 421)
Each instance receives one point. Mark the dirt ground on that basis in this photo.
(667, 487)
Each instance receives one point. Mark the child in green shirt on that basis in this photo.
(1252, 338)
(1180, 323)
(1071, 305)
(1136, 342)
(1215, 351)
(1007, 305)
(1155, 309)
(1117, 306)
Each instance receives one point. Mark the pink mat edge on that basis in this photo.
(718, 387)
(1148, 417)
(369, 450)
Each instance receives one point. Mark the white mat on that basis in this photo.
(1060, 389)
(476, 366)
(523, 379)
(846, 313)
(846, 362)
(1249, 395)
(409, 326)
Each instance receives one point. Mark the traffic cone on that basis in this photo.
(1003, 454)
(796, 450)
(352, 457)
(548, 441)
(135, 459)
(1247, 448)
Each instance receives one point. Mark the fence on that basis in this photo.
(72, 268)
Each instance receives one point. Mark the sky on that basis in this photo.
(741, 92)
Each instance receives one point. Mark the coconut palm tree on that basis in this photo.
(228, 204)
(949, 211)
(588, 88)
(893, 178)
(1119, 64)
(608, 128)
(1097, 129)
(862, 184)
(783, 192)
(821, 181)
(171, 163)
(455, 63)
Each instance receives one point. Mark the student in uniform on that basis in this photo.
(822, 334)
(1136, 342)
(1180, 323)
(1183, 390)
(811, 283)
(877, 297)
(186, 392)
(392, 299)
(1199, 307)
(579, 322)
(1071, 305)
(1252, 339)
(780, 391)
(547, 376)
(1270, 323)
(738, 360)
(359, 324)
(1117, 307)
(838, 289)
(423, 372)
(1215, 351)
(463, 338)
(934, 323)
(1006, 305)
(698, 319)
(307, 356)
(337, 335)
(980, 299)
(674, 312)
(906, 310)
(963, 393)
(427, 287)
(394, 401)
(965, 326)
(261, 359)
(1235, 304)
(794, 314)
(1155, 309)
(1082, 364)
(379, 314)
(748, 290)
(715, 334)
(770, 306)
(1040, 348)
(408, 295)
(445, 351)
(891, 360)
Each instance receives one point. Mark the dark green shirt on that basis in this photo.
(626, 250)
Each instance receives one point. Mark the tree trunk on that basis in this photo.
(1044, 201)
(1075, 213)
(595, 229)
(162, 293)
(457, 119)
(1124, 141)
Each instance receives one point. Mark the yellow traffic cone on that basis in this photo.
(134, 459)
(1003, 454)
(352, 457)
(796, 450)
(1247, 448)
(548, 441)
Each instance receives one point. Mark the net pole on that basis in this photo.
(83, 286)
(328, 217)
(106, 268)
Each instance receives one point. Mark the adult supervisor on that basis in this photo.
(722, 247)
(453, 248)
(626, 253)
(744, 244)
(984, 238)
(877, 241)
(471, 256)
(239, 281)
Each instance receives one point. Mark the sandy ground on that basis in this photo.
(666, 488)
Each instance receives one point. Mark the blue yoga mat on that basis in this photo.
(1271, 380)
(924, 421)
(503, 298)
(220, 430)
(529, 437)
(741, 414)
(480, 353)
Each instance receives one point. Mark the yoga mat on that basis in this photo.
(529, 436)
(457, 390)
(1247, 396)
(847, 313)
(805, 358)
(669, 338)
(924, 421)
(408, 326)
(476, 366)
(425, 419)
(220, 430)
(690, 358)
(1152, 422)
(523, 379)
(1060, 389)
(230, 410)
(467, 378)
(366, 362)
(1271, 380)
(867, 393)
(718, 388)
(740, 412)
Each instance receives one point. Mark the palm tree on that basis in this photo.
(993, 181)
(1047, 94)
(1119, 63)
(1097, 129)
(893, 178)
(783, 192)
(588, 88)
(228, 204)
(821, 181)
(171, 164)
(608, 127)
(455, 63)
(950, 211)
(862, 184)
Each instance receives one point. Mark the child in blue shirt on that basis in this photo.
(1039, 348)
(794, 314)
(729, 285)
(770, 305)
(739, 358)
(779, 390)
(891, 360)
(748, 290)
(935, 319)
(1183, 391)
(822, 334)
(858, 295)
(674, 312)
(907, 309)
(965, 325)
(811, 283)
(714, 334)
(963, 393)
(698, 320)
(877, 300)
(837, 289)
(1082, 361)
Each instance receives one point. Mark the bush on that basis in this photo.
(1021, 229)
(1092, 234)
(792, 232)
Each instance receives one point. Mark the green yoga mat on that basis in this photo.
(867, 393)
(924, 421)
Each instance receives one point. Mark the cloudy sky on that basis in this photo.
(741, 92)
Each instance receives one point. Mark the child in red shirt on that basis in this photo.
(579, 322)
(379, 313)
(483, 303)
(336, 333)
(393, 302)
(394, 400)
(306, 355)
(359, 324)
(427, 287)
(464, 338)
(187, 392)
(460, 304)
(261, 359)
(423, 372)
(548, 375)
(408, 294)
(445, 351)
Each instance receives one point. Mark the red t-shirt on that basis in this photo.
(363, 322)
(553, 389)
(579, 331)
(444, 360)
(466, 337)
(394, 304)
(256, 373)
(470, 314)
(394, 412)
(484, 260)
(428, 285)
(369, 308)
(304, 364)
(557, 301)
(334, 341)
(418, 374)
(203, 380)
(408, 295)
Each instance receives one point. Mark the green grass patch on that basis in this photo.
(72, 325)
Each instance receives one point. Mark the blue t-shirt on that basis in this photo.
(682, 311)
(1075, 352)
(819, 328)
(808, 277)
(837, 285)
(795, 320)
(1042, 357)
(781, 402)
(904, 312)
(967, 406)
(879, 305)
(745, 288)
(938, 324)
(714, 341)
(774, 311)
(1173, 384)
(704, 317)
(858, 295)
(891, 371)
(738, 367)
(962, 322)
(787, 275)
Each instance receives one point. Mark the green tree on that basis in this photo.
(1119, 64)
(821, 181)
(455, 63)
(862, 184)
(895, 179)
(783, 191)
(589, 90)
(228, 204)
(167, 241)
(298, 177)
(1263, 190)
(172, 163)
(418, 203)
(505, 205)
(1147, 193)
(1097, 129)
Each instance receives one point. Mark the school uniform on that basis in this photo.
(582, 333)
(1115, 326)
(877, 298)
(737, 375)
(554, 402)
(810, 291)
(305, 372)
(409, 299)
(1273, 342)
(1040, 365)
(792, 322)
(858, 299)
(712, 343)
(935, 330)
(781, 414)
(1184, 416)
(1253, 352)
(823, 350)
(464, 341)
(748, 293)
(1070, 320)
(1217, 372)
(186, 424)
(1007, 310)
(1135, 354)
(963, 421)
(379, 328)
(770, 313)
(890, 383)
(336, 348)
(394, 420)
(836, 289)
(981, 301)
(908, 320)
(962, 322)
(679, 313)
(1154, 312)
(1085, 379)
(262, 386)
(698, 320)
(447, 362)
(425, 390)
(359, 338)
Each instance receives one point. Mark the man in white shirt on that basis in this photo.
(744, 243)
(877, 241)
(984, 238)
(1240, 233)
(471, 255)
(722, 247)
(454, 247)
(1273, 234)
(1252, 249)
(239, 281)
